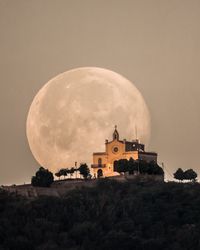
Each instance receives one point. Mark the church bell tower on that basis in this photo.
(115, 134)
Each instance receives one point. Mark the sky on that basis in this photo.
(153, 43)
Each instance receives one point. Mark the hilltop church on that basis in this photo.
(103, 162)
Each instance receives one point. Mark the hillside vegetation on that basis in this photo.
(112, 215)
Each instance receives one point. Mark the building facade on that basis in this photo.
(103, 162)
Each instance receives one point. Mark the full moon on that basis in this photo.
(72, 115)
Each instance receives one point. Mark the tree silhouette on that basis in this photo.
(179, 174)
(144, 167)
(156, 169)
(141, 166)
(42, 178)
(71, 172)
(121, 166)
(84, 170)
(58, 174)
(63, 172)
(190, 174)
(132, 166)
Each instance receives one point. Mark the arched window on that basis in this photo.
(99, 161)
(99, 173)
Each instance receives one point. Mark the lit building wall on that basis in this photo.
(103, 162)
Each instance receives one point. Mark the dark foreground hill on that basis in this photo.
(112, 215)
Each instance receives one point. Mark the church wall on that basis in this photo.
(115, 150)
(103, 158)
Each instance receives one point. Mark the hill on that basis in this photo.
(60, 187)
(110, 215)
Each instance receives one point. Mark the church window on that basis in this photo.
(115, 149)
(99, 161)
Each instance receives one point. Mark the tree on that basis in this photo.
(141, 166)
(144, 167)
(179, 174)
(58, 174)
(121, 166)
(190, 174)
(155, 169)
(132, 166)
(42, 178)
(71, 172)
(84, 170)
(63, 172)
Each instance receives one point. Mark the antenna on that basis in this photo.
(136, 132)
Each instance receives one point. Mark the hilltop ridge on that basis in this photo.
(60, 187)
(111, 215)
